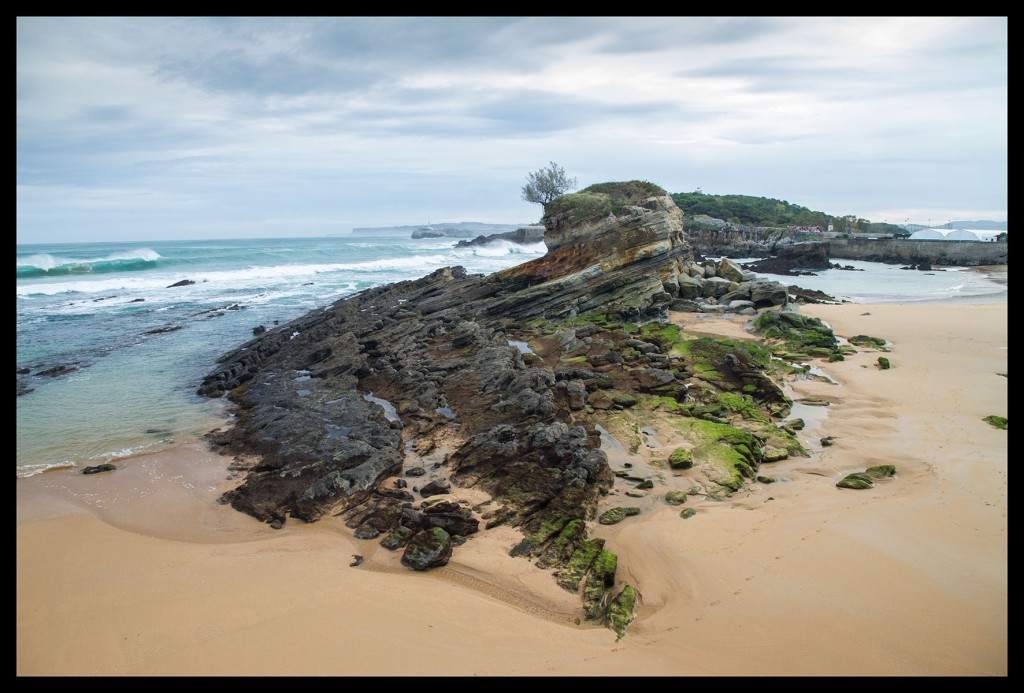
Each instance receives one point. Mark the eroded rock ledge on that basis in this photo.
(500, 383)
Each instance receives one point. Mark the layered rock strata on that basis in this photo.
(413, 390)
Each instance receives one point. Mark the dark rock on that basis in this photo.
(396, 538)
(522, 236)
(163, 330)
(435, 488)
(99, 468)
(427, 549)
(367, 531)
(793, 260)
(60, 369)
(415, 471)
(183, 282)
(356, 561)
(259, 329)
(451, 517)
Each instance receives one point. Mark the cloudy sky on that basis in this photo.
(165, 128)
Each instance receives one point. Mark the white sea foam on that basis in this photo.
(33, 469)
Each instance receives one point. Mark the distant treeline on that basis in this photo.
(766, 211)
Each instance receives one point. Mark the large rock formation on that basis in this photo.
(495, 382)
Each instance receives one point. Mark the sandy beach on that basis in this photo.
(140, 572)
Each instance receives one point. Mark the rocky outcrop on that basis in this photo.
(427, 379)
(523, 236)
(795, 259)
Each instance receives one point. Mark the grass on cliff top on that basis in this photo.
(601, 199)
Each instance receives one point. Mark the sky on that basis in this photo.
(150, 128)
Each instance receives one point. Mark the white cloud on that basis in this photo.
(173, 127)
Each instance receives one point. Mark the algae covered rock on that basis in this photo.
(797, 333)
(599, 581)
(560, 549)
(883, 363)
(681, 458)
(675, 497)
(572, 571)
(881, 471)
(857, 481)
(622, 610)
(687, 513)
(997, 421)
(617, 515)
(863, 340)
(427, 549)
(624, 401)
(774, 454)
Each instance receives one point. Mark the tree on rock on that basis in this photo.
(546, 184)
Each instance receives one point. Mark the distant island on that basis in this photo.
(460, 229)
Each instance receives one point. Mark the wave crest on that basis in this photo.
(47, 265)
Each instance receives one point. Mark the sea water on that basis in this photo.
(135, 348)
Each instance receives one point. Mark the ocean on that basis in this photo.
(130, 349)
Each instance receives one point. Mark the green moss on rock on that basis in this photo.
(617, 514)
(997, 421)
(605, 566)
(624, 401)
(675, 497)
(797, 333)
(881, 471)
(622, 610)
(863, 340)
(883, 363)
(681, 458)
(858, 481)
(562, 546)
(571, 573)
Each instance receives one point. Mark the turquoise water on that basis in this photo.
(139, 347)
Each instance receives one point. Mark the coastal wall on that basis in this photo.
(937, 252)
